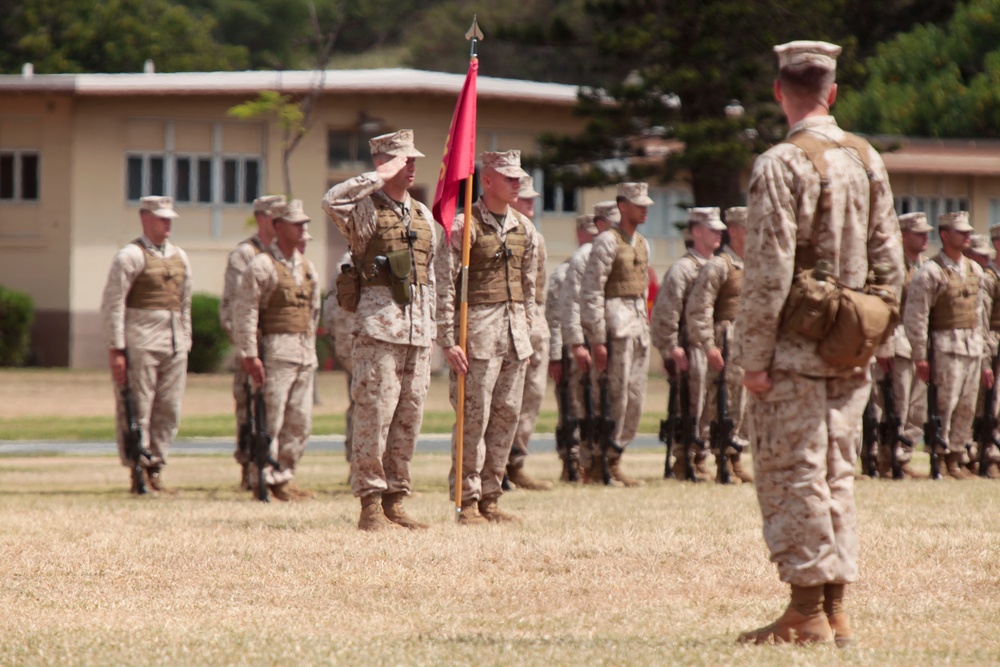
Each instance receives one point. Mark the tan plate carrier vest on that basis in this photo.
(630, 270)
(728, 301)
(956, 308)
(540, 279)
(391, 235)
(495, 264)
(995, 311)
(287, 310)
(160, 286)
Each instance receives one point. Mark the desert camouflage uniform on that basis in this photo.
(339, 325)
(991, 311)
(536, 373)
(622, 323)
(156, 343)
(705, 333)
(908, 390)
(289, 358)
(805, 431)
(959, 354)
(236, 265)
(392, 347)
(498, 346)
(670, 329)
(571, 330)
(557, 294)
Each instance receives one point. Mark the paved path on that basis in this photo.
(438, 442)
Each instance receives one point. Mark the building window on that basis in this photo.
(193, 178)
(19, 179)
(557, 199)
(668, 214)
(348, 149)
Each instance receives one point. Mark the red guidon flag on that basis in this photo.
(459, 161)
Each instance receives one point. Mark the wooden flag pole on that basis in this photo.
(463, 313)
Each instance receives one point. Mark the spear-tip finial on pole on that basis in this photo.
(474, 35)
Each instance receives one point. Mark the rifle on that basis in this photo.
(985, 425)
(245, 438)
(889, 427)
(932, 427)
(721, 429)
(670, 427)
(605, 424)
(566, 437)
(588, 426)
(688, 427)
(132, 437)
(260, 442)
(869, 439)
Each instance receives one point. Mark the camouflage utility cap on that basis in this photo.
(801, 54)
(708, 216)
(637, 193)
(980, 244)
(736, 216)
(399, 143)
(585, 223)
(957, 221)
(161, 207)
(608, 210)
(290, 212)
(527, 190)
(268, 203)
(914, 222)
(507, 163)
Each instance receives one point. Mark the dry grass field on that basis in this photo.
(666, 574)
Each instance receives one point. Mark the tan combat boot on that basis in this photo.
(953, 466)
(617, 474)
(372, 517)
(392, 507)
(523, 480)
(833, 607)
(245, 477)
(154, 481)
(488, 508)
(470, 516)
(804, 621)
(739, 472)
(910, 473)
(280, 492)
(298, 493)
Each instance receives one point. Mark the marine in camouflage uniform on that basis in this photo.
(616, 324)
(394, 324)
(822, 194)
(991, 307)
(146, 312)
(671, 334)
(982, 253)
(339, 325)
(606, 214)
(237, 263)
(710, 312)
(946, 296)
(501, 299)
(276, 311)
(909, 392)
(538, 365)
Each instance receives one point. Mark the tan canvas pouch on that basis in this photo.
(863, 323)
(811, 307)
(399, 272)
(348, 288)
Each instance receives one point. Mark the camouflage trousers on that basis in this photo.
(157, 382)
(343, 347)
(957, 380)
(493, 391)
(240, 378)
(992, 454)
(389, 387)
(699, 386)
(288, 398)
(628, 374)
(910, 399)
(535, 381)
(804, 435)
(736, 401)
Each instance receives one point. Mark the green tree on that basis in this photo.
(934, 81)
(110, 36)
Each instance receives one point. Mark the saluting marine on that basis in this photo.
(146, 308)
(236, 264)
(613, 315)
(392, 239)
(276, 311)
(501, 299)
(710, 312)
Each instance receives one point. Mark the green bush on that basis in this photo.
(17, 314)
(209, 342)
